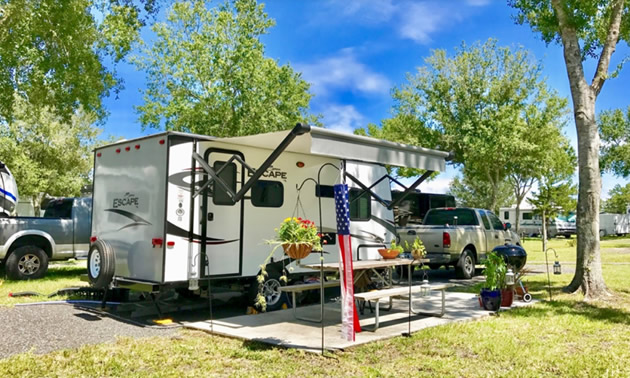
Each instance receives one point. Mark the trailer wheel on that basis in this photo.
(27, 263)
(100, 264)
(270, 290)
(465, 267)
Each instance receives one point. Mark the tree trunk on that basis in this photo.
(518, 217)
(544, 231)
(588, 270)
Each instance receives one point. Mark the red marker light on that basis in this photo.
(170, 244)
(157, 242)
(161, 141)
(118, 150)
(98, 154)
(93, 239)
(300, 164)
(137, 146)
(127, 148)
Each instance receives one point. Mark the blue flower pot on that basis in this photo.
(491, 299)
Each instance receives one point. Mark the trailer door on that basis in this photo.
(223, 228)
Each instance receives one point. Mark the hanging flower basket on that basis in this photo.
(297, 251)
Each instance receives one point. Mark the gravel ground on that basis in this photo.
(45, 328)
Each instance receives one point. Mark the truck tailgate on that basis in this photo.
(431, 237)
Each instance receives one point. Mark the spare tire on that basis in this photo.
(101, 264)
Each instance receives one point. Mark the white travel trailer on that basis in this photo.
(614, 224)
(176, 209)
(531, 223)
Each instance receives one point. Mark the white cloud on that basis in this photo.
(421, 20)
(414, 20)
(477, 3)
(343, 118)
(343, 71)
(370, 11)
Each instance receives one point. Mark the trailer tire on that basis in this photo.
(101, 264)
(27, 263)
(465, 267)
(271, 289)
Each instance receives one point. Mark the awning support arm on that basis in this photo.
(298, 130)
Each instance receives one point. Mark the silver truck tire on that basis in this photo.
(465, 267)
(100, 264)
(27, 263)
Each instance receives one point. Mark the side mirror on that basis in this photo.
(507, 226)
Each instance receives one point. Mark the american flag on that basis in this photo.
(349, 317)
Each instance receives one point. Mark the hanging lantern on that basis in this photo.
(509, 278)
(425, 288)
(557, 269)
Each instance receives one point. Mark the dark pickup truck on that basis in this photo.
(27, 244)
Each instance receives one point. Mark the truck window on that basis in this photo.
(440, 217)
(484, 219)
(267, 194)
(59, 209)
(496, 222)
(228, 175)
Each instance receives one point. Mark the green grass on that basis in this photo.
(566, 337)
(60, 275)
(566, 250)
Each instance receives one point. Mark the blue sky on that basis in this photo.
(353, 52)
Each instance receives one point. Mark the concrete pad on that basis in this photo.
(281, 328)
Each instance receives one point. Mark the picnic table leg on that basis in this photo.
(442, 310)
(295, 315)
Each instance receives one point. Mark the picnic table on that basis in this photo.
(360, 269)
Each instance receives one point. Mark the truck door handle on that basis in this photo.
(411, 232)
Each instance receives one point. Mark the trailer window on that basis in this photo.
(268, 194)
(228, 175)
(506, 215)
(527, 216)
(361, 209)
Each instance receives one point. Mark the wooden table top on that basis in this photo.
(366, 264)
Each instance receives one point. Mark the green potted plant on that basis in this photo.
(417, 249)
(494, 272)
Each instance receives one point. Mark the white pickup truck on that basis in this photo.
(459, 237)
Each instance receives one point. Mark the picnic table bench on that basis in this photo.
(293, 289)
(403, 293)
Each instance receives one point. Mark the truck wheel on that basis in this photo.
(465, 267)
(100, 264)
(27, 263)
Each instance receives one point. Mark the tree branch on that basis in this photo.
(609, 47)
(572, 54)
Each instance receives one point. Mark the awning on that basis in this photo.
(324, 142)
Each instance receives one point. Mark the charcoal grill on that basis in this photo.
(515, 258)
